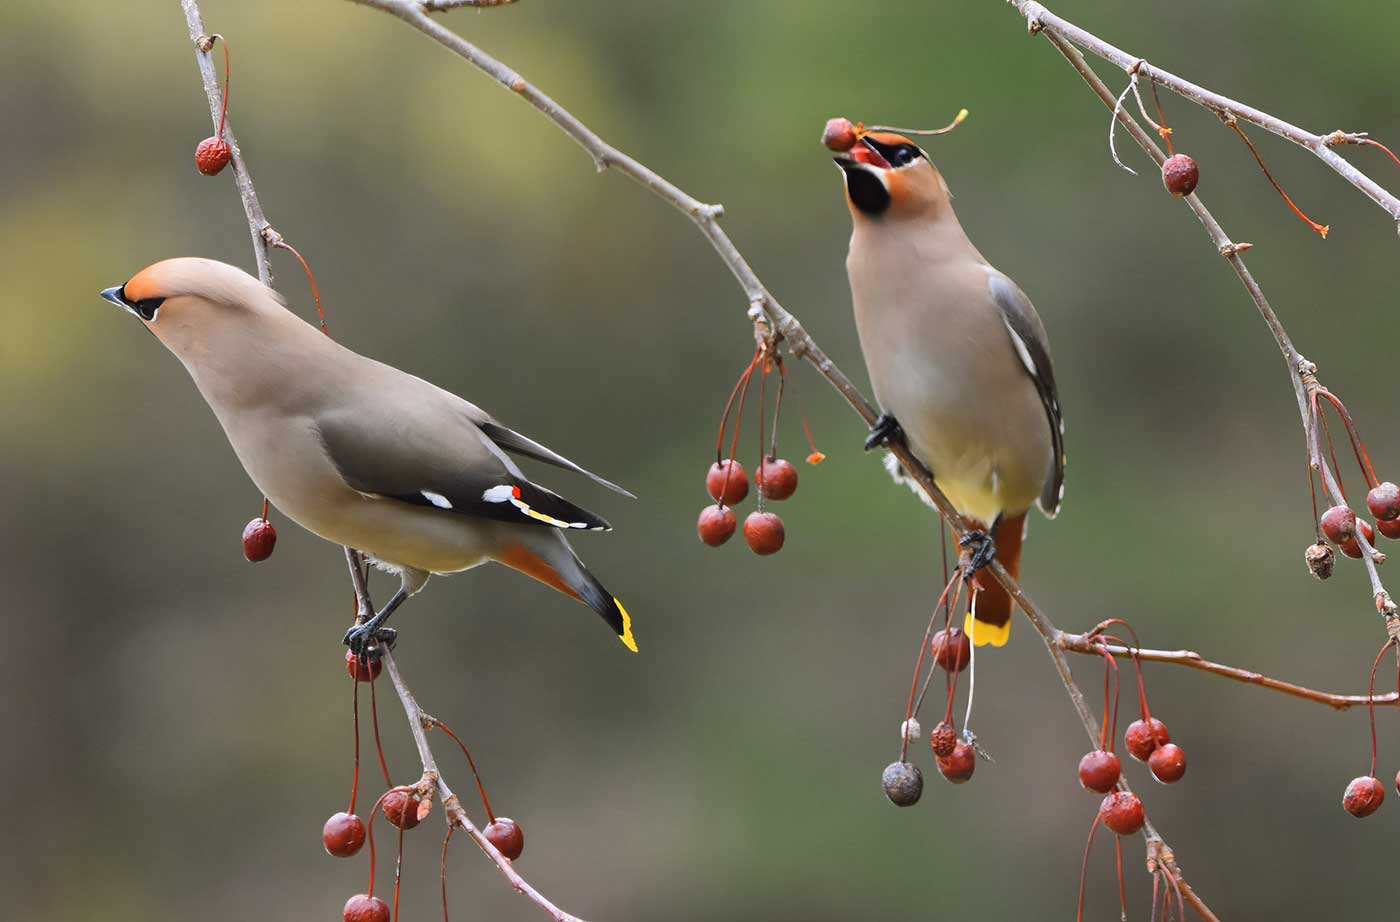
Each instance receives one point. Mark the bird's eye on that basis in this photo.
(147, 307)
(904, 155)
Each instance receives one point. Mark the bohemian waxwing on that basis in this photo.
(957, 356)
(360, 453)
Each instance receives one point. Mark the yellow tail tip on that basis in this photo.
(626, 637)
(983, 633)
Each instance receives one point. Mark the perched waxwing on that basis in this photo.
(360, 453)
(957, 356)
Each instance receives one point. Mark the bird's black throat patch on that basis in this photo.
(866, 191)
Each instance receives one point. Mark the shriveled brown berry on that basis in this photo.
(506, 834)
(1363, 796)
(259, 538)
(402, 809)
(731, 489)
(1141, 739)
(716, 525)
(959, 765)
(1338, 524)
(951, 649)
(1122, 812)
(839, 134)
(1168, 763)
(343, 835)
(1352, 547)
(1390, 529)
(764, 533)
(362, 908)
(776, 478)
(1180, 175)
(1321, 559)
(903, 783)
(1099, 771)
(943, 739)
(1384, 502)
(212, 155)
(365, 667)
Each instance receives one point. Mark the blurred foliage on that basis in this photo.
(178, 719)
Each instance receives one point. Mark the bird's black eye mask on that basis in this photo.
(145, 309)
(898, 155)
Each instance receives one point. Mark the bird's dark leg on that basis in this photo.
(885, 431)
(983, 548)
(372, 631)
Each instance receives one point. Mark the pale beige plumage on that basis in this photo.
(358, 452)
(955, 351)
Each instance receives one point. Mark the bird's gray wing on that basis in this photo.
(513, 441)
(1028, 336)
(430, 453)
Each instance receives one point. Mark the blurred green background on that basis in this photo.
(178, 719)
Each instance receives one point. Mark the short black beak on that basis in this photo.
(116, 296)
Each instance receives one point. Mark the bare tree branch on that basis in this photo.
(1040, 19)
(1080, 643)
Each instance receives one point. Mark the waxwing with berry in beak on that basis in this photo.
(957, 356)
(360, 453)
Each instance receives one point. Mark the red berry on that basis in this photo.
(958, 766)
(1351, 547)
(259, 538)
(776, 478)
(1320, 558)
(839, 134)
(1180, 175)
(764, 533)
(1168, 763)
(401, 809)
(1390, 529)
(716, 525)
(1384, 502)
(1142, 739)
(361, 908)
(734, 489)
(1122, 812)
(363, 668)
(1099, 771)
(951, 649)
(211, 156)
(1363, 796)
(1397, 782)
(506, 834)
(1338, 524)
(944, 740)
(903, 783)
(343, 835)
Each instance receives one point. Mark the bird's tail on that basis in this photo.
(554, 563)
(992, 624)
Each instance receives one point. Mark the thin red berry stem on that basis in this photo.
(378, 744)
(223, 106)
(1358, 447)
(1108, 731)
(265, 509)
(355, 707)
(762, 405)
(729, 404)
(480, 788)
(738, 427)
(369, 828)
(311, 277)
(1371, 700)
(1370, 143)
(442, 869)
(1332, 453)
(398, 868)
(1084, 866)
(1164, 131)
(1320, 228)
(777, 406)
(918, 668)
(1122, 890)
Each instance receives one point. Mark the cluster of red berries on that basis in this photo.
(1341, 526)
(728, 483)
(212, 154)
(344, 834)
(955, 756)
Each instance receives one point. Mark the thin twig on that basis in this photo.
(1078, 643)
(1039, 19)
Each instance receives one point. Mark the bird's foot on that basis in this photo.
(885, 431)
(368, 638)
(982, 549)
